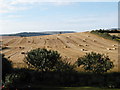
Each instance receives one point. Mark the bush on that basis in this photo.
(27, 73)
(64, 66)
(47, 60)
(95, 62)
(6, 66)
(42, 59)
(14, 79)
(112, 80)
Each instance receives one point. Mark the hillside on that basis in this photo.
(29, 34)
(70, 45)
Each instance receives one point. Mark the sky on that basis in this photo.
(37, 16)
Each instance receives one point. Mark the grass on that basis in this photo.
(44, 87)
(76, 88)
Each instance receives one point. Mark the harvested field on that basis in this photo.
(116, 34)
(72, 46)
(6, 37)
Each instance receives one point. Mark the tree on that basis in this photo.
(64, 66)
(95, 62)
(6, 66)
(42, 59)
(14, 79)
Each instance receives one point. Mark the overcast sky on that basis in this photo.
(35, 15)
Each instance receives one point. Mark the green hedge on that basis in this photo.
(105, 34)
(32, 78)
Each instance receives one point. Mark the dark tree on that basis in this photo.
(95, 62)
(64, 66)
(42, 59)
(6, 66)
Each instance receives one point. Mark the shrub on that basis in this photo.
(64, 66)
(6, 66)
(95, 62)
(27, 73)
(14, 79)
(42, 59)
(112, 80)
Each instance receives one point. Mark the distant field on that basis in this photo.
(7, 37)
(117, 34)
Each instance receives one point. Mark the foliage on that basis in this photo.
(64, 66)
(42, 59)
(13, 79)
(47, 60)
(17, 79)
(106, 31)
(112, 80)
(105, 34)
(95, 62)
(6, 66)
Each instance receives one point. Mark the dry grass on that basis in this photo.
(116, 34)
(69, 45)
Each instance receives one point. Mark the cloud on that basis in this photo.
(14, 16)
(84, 23)
(60, 1)
(7, 6)
(40, 1)
(78, 24)
(54, 2)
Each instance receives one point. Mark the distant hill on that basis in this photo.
(29, 34)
